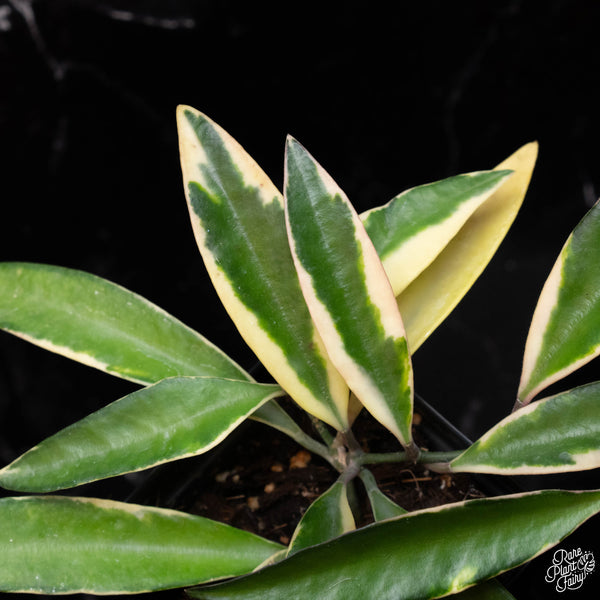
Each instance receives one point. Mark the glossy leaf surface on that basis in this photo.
(382, 506)
(555, 435)
(172, 419)
(347, 292)
(430, 298)
(238, 220)
(413, 228)
(101, 324)
(465, 543)
(328, 517)
(565, 330)
(64, 545)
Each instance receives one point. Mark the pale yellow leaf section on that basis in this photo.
(429, 299)
(581, 462)
(268, 352)
(404, 264)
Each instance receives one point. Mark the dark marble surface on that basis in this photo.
(386, 96)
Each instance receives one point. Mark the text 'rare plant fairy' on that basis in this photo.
(333, 304)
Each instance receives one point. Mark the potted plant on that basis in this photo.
(333, 304)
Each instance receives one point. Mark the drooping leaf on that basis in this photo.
(238, 219)
(58, 545)
(172, 419)
(413, 228)
(101, 324)
(383, 508)
(565, 330)
(347, 292)
(329, 516)
(555, 435)
(426, 554)
(432, 296)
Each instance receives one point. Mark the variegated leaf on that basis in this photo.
(347, 292)
(555, 435)
(238, 219)
(430, 298)
(328, 517)
(425, 554)
(101, 324)
(58, 545)
(565, 330)
(412, 229)
(383, 508)
(175, 418)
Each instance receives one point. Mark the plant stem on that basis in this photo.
(425, 457)
(322, 430)
(315, 447)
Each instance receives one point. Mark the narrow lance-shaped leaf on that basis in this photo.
(565, 330)
(238, 219)
(555, 435)
(98, 323)
(347, 292)
(432, 296)
(58, 545)
(383, 508)
(329, 516)
(101, 324)
(426, 554)
(414, 227)
(173, 419)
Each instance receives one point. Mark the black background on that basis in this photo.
(385, 95)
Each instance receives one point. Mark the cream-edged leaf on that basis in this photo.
(238, 220)
(328, 517)
(554, 435)
(59, 545)
(430, 298)
(98, 323)
(565, 329)
(172, 419)
(425, 554)
(414, 227)
(347, 292)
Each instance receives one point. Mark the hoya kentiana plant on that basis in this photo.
(333, 303)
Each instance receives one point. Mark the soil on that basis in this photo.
(264, 482)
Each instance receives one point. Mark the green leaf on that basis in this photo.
(414, 227)
(103, 325)
(58, 545)
(432, 296)
(383, 508)
(329, 516)
(565, 330)
(175, 418)
(555, 435)
(348, 293)
(426, 554)
(238, 219)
